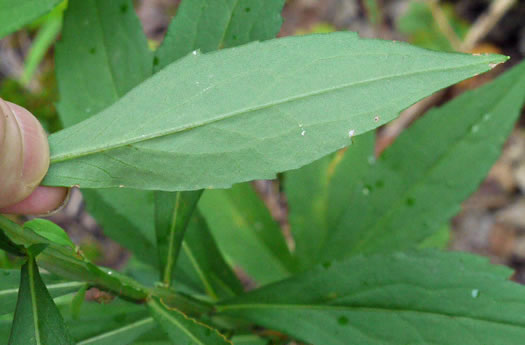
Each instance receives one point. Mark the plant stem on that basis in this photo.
(66, 262)
(486, 22)
(444, 25)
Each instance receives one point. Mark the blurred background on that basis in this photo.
(492, 221)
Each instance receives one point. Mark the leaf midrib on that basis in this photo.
(171, 259)
(142, 138)
(116, 331)
(32, 290)
(223, 308)
(165, 313)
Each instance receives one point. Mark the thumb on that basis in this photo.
(24, 153)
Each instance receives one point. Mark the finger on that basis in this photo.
(44, 200)
(24, 153)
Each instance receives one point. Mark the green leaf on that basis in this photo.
(37, 320)
(50, 231)
(246, 232)
(9, 246)
(121, 336)
(102, 55)
(182, 329)
(10, 280)
(209, 25)
(394, 299)
(78, 300)
(119, 321)
(126, 215)
(202, 256)
(14, 14)
(418, 183)
(44, 39)
(423, 29)
(240, 118)
(319, 193)
(172, 215)
(115, 52)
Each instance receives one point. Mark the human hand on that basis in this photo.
(24, 160)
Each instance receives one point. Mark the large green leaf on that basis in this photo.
(182, 329)
(418, 184)
(320, 192)
(16, 13)
(249, 112)
(246, 232)
(37, 320)
(394, 299)
(209, 25)
(10, 280)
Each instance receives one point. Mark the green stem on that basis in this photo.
(66, 262)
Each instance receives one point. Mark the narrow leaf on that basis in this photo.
(172, 215)
(46, 36)
(113, 57)
(78, 300)
(209, 25)
(14, 14)
(182, 329)
(37, 320)
(126, 216)
(50, 231)
(418, 184)
(9, 246)
(119, 321)
(10, 280)
(394, 299)
(121, 336)
(249, 112)
(319, 193)
(246, 233)
(204, 258)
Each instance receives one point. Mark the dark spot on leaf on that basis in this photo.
(92, 51)
(247, 9)
(155, 61)
(342, 320)
(234, 37)
(208, 332)
(6, 273)
(410, 202)
(327, 264)
(380, 184)
(124, 8)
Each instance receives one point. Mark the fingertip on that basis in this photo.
(43, 201)
(35, 146)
